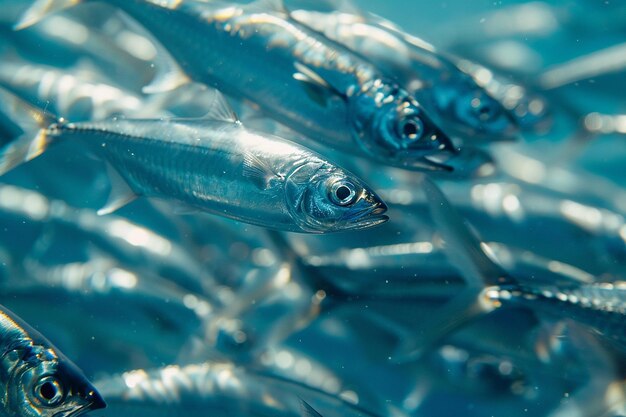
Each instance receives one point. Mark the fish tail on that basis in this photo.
(37, 128)
(465, 249)
(479, 271)
(40, 9)
(23, 149)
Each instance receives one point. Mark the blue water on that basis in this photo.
(150, 286)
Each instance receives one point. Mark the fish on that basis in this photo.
(131, 244)
(215, 164)
(221, 386)
(66, 40)
(36, 378)
(449, 95)
(342, 100)
(77, 96)
(599, 306)
(530, 107)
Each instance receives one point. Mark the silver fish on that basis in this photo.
(307, 82)
(216, 165)
(77, 96)
(598, 306)
(37, 379)
(449, 94)
(224, 388)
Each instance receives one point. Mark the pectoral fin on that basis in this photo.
(120, 194)
(316, 87)
(259, 172)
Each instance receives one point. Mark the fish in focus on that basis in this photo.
(311, 84)
(37, 379)
(216, 165)
(448, 94)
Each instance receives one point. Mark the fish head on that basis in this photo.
(531, 111)
(472, 112)
(324, 198)
(43, 383)
(392, 127)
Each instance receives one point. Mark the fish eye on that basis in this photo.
(48, 391)
(484, 109)
(342, 193)
(410, 129)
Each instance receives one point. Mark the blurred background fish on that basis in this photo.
(467, 156)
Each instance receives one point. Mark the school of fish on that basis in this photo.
(302, 208)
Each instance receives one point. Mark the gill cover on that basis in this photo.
(392, 127)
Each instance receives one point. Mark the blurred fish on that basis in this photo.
(219, 387)
(77, 95)
(43, 223)
(278, 184)
(37, 379)
(530, 108)
(448, 94)
(344, 102)
(599, 306)
(66, 39)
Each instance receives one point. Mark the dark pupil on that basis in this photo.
(484, 111)
(409, 129)
(48, 391)
(342, 193)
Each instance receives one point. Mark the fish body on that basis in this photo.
(65, 41)
(75, 96)
(600, 306)
(305, 81)
(220, 167)
(37, 379)
(448, 94)
(218, 387)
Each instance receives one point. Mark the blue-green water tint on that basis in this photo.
(230, 318)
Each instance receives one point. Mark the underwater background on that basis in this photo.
(174, 312)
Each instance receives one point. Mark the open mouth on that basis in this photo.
(95, 403)
(367, 217)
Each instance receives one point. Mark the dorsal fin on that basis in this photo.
(220, 109)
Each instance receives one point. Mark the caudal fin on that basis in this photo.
(40, 9)
(465, 252)
(33, 139)
(464, 248)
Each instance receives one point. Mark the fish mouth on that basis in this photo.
(367, 217)
(94, 402)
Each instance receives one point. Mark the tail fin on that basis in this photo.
(33, 140)
(465, 252)
(40, 9)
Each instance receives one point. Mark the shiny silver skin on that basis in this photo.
(77, 95)
(36, 379)
(222, 168)
(448, 94)
(302, 79)
(221, 388)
